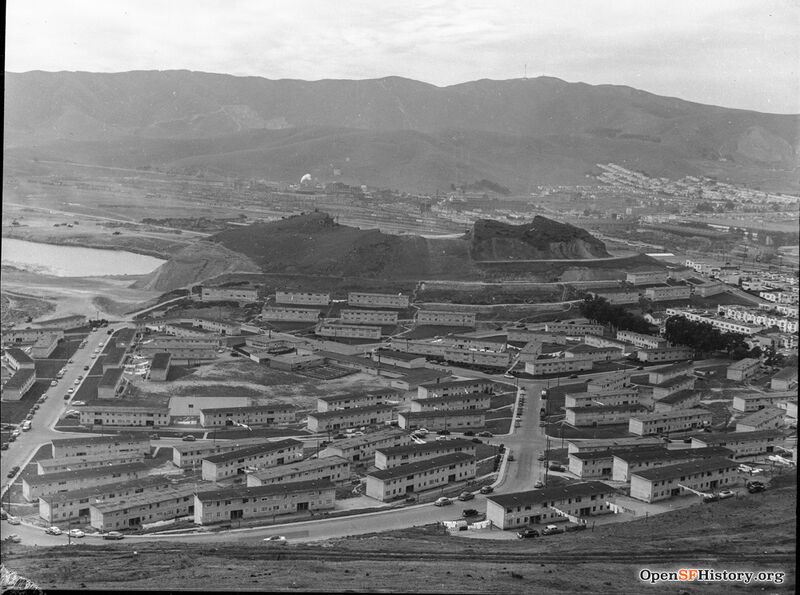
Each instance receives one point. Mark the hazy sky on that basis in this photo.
(735, 53)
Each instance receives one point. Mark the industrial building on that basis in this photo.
(548, 505)
(34, 486)
(234, 463)
(333, 469)
(399, 482)
(339, 419)
(395, 456)
(662, 483)
(240, 503)
(669, 421)
(451, 419)
(253, 415)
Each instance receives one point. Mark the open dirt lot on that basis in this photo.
(606, 560)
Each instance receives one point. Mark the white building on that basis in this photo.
(399, 482)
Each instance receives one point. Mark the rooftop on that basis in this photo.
(633, 407)
(206, 446)
(679, 396)
(554, 494)
(456, 383)
(675, 454)
(683, 469)
(368, 438)
(443, 413)
(733, 437)
(399, 355)
(453, 398)
(111, 378)
(143, 499)
(92, 440)
(299, 467)
(250, 451)
(143, 483)
(249, 408)
(762, 415)
(349, 396)
(616, 451)
(743, 364)
(20, 378)
(353, 411)
(673, 414)
(19, 356)
(421, 466)
(160, 361)
(100, 404)
(34, 480)
(457, 443)
(275, 489)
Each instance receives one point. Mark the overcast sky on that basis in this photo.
(735, 53)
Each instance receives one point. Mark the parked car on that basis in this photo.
(36, 407)
(29, 417)
(725, 494)
(527, 533)
(552, 530)
(410, 499)
(66, 397)
(189, 438)
(77, 381)
(423, 431)
(477, 441)
(443, 432)
(85, 368)
(3, 514)
(53, 382)
(573, 376)
(4, 446)
(487, 490)
(274, 540)
(538, 485)
(76, 533)
(13, 520)
(469, 433)
(53, 531)
(14, 538)
(154, 437)
(70, 391)
(469, 512)
(540, 457)
(755, 486)
(510, 457)
(113, 535)
(485, 434)
(710, 498)
(442, 501)
(464, 496)
(14, 470)
(557, 467)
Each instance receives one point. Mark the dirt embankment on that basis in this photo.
(195, 263)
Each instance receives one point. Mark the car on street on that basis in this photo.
(13, 520)
(477, 441)
(557, 467)
(552, 530)
(468, 512)
(76, 533)
(13, 436)
(85, 368)
(70, 391)
(77, 403)
(485, 434)
(53, 531)
(154, 436)
(538, 485)
(274, 540)
(725, 494)
(4, 446)
(54, 383)
(540, 457)
(442, 501)
(29, 417)
(113, 535)
(66, 397)
(15, 538)
(469, 433)
(189, 438)
(487, 490)
(710, 498)
(14, 470)
(443, 432)
(440, 438)
(510, 456)
(755, 486)
(464, 496)
(36, 407)
(527, 533)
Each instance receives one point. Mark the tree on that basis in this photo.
(599, 310)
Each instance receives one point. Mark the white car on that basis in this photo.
(275, 540)
(13, 520)
(53, 531)
(70, 391)
(77, 381)
(442, 501)
(78, 403)
(76, 533)
(724, 494)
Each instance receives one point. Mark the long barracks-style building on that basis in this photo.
(110, 446)
(236, 462)
(34, 486)
(398, 482)
(333, 469)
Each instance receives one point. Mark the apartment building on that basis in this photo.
(742, 444)
(661, 375)
(396, 456)
(19, 384)
(17, 359)
(34, 486)
(609, 383)
(768, 418)
(449, 388)
(598, 464)
(348, 331)
(399, 482)
(234, 463)
(290, 314)
(333, 469)
(668, 293)
(240, 503)
(710, 288)
(65, 322)
(515, 334)
(241, 295)
(596, 444)
(626, 464)
(112, 384)
(159, 367)
(444, 318)
(784, 380)
(44, 346)
(602, 415)
(617, 297)
(743, 369)
(755, 401)
(29, 335)
(469, 401)
(453, 419)
(549, 505)
(663, 483)
(682, 399)
(190, 454)
(114, 357)
(624, 396)
(253, 415)
(377, 300)
(641, 340)
(118, 412)
(101, 446)
(374, 317)
(665, 354)
(299, 298)
(355, 400)
(558, 363)
(339, 419)
(45, 466)
(724, 325)
(597, 341)
(62, 507)
(646, 277)
(136, 510)
(572, 329)
(399, 359)
(361, 449)
(669, 421)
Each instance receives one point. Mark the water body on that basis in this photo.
(73, 261)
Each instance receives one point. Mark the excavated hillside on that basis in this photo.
(313, 244)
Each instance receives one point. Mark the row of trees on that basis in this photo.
(598, 309)
(705, 338)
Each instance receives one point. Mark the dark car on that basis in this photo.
(189, 438)
(540, 457)
(573, 376)
(113, 535)
(85, 368)
(13, 472)
(710, 498)
(464, 496)
(443, 432)
(469, 433)
(557, 467)
(575, 528)
(4, 446)
(469, 512)
(477, 441)
(487, 490)
(485, 434)
(527, 533)
(755, 486)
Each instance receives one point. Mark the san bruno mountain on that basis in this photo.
(389, 132)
